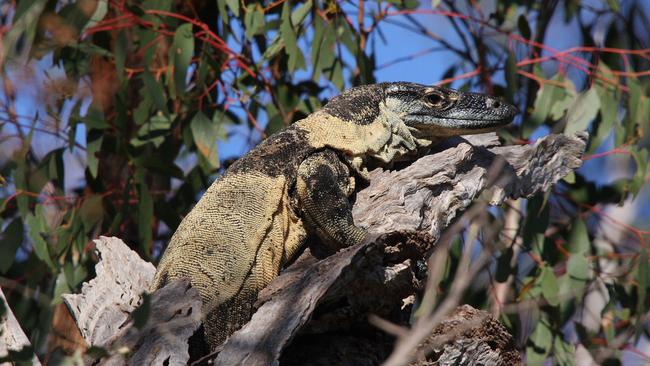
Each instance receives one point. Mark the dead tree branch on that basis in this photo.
(321, 307)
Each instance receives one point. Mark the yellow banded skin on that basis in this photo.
(254, 219)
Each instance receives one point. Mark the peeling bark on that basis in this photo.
(320, 308)
(104, 311)
(12, 337)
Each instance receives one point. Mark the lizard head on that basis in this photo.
(388, 120)
(437, 111)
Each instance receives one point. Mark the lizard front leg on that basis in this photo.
(322, 188)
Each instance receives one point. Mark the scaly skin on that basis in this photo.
(254, 219)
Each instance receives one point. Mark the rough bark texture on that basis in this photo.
(468, 337)
(105, 302)
(175, 315)
(424, 197)
(12, 337)
(103, 310)
(428, 194)
(316, 311)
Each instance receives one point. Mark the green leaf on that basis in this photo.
(91, 211)
(142, 312)
(159, 166)
(60, 287)
(582, 112)
(93, 146)
(296, 59)
(639, 108)
(559, 108)
(537, 218)
(578, 268)
(336, 75)
(578, 240)
(641, 159)
(547, 95)
(74, 275)
(156, 91)
(38, 231)
(550, 286)
(145, 218)
(206, 133)
(155, 5)
(643, 278)
(95, 118)
(609, 102)
(301, 13)
(234, 7)
(614, 5)
(276, 46)
(17, 42)
(181, 51)
(74, 16)
(142, 112)
(154, 131)
(563, 352)
(541, 341)
(221, 8)
(570, 178)
(119, 50)
(254, 20)
(20, 178)
(11, 239)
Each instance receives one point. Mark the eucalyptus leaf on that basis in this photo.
(288, 34)
(38, 232)
(206, 133)
(582, 112)
(541, 342)
(10, 241)
(181, 52)
(550, 286)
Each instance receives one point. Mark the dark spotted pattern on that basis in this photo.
(280, 154)
(358, 105)
(325, 205)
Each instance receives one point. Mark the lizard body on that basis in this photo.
(253, 220)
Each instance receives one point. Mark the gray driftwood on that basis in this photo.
(105, 302)
(12, 337)
(319, 308)
(102, 310)
(174, 316)
(468, 337)
(423, 197)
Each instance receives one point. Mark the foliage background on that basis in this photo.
(116, 115)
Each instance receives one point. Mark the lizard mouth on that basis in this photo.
(451, 123)
(465, 120)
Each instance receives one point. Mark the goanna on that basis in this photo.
(254, 219)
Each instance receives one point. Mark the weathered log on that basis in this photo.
(12, 337)
(105, 302)
(423, 197)
(103, 310)
(468, 337)
(329, 300)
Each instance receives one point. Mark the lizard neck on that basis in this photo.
(383, 140)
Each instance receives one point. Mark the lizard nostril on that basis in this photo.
(494, 104)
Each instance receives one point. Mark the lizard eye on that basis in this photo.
(435, 99)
